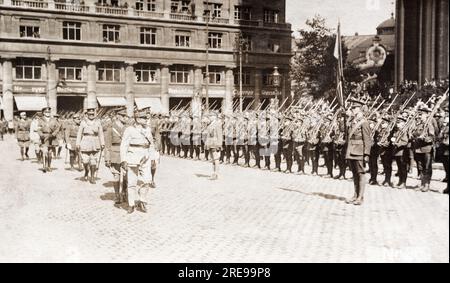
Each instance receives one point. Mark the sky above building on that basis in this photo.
(356, 16)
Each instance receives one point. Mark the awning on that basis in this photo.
(154, 103)
(111, 101)
(30, 103)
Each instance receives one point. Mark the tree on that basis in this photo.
(314, 65)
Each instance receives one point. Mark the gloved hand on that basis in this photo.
(108, 164)
(124, 165)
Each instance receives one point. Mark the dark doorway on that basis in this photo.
(70, 104)
(176, 103)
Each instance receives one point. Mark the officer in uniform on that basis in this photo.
(424, 135)
(135, 154)
(374, 152)
(113, 139)
(34, 136)
(48, 129)
(340, 147)
(400, 140)
(165, 125)
(263, 139)
(275, 140)
(287, 143)
(327, 133)
(386, 150)
(229, 135)
(314, 148)
(358, 150)
(185, 134)
(23, 135)
(214, 142)
(60, 137)
(299, 136)
(71, 133)
(252, 142)
(196, 136)
(241, 138)
(90, 142)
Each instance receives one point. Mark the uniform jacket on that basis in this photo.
(214, 138)
(137, 146)
(424, 145)
(113, 139)
(48, 131)
(71, 133)
(23, 130)
(359, 140)
(90, 135)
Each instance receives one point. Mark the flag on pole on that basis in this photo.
(340, 67)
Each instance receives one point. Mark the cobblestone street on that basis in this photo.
(248, 215)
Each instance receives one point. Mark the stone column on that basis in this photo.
(52, 84)
(400, 44)
(426, 40)
(8, 98)
(442, 64)
(165, 78)
(258, 88)
(129, 87)
(91, 85)
(229, 86)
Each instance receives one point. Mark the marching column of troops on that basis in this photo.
(353, 137)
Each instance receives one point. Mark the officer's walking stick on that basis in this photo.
(98, 163)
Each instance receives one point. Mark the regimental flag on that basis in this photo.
(340, 67)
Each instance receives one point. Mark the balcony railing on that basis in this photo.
(182, 17)
(71, 7)
(30, 4)
(149, 14)
(111, 10)
(218, 20)
(277, 25)
(247, 23)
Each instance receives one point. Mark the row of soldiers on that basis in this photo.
(304, 133)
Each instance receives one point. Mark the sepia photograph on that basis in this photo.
(224, 131)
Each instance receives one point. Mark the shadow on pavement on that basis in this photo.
(322, 195)
(202, 176)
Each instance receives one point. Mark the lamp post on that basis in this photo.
(276, 81)
(241, 46)
(207, 15)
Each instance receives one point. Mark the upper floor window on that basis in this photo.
(274, 47)
(140, 5)
(28, 69)
(215, 40)
(30, 31)
(246, 78)
(271, 16)
(180, 74)
(71, 31)
(148, 36)
(180, 6)
(70, 73)
(151, 5)
(247, 42)
(111, 33)
(109, 72)
(217, 10)
(146, 73)
(215, 75)
(183, 39)
(242, 13)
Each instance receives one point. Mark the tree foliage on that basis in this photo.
(314, 65)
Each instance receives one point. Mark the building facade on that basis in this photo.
(421, 40)
(75, 54)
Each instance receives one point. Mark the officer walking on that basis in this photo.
(135, 154)
(71, 133)
(90, 140)
(23, 135)
(48, 129)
